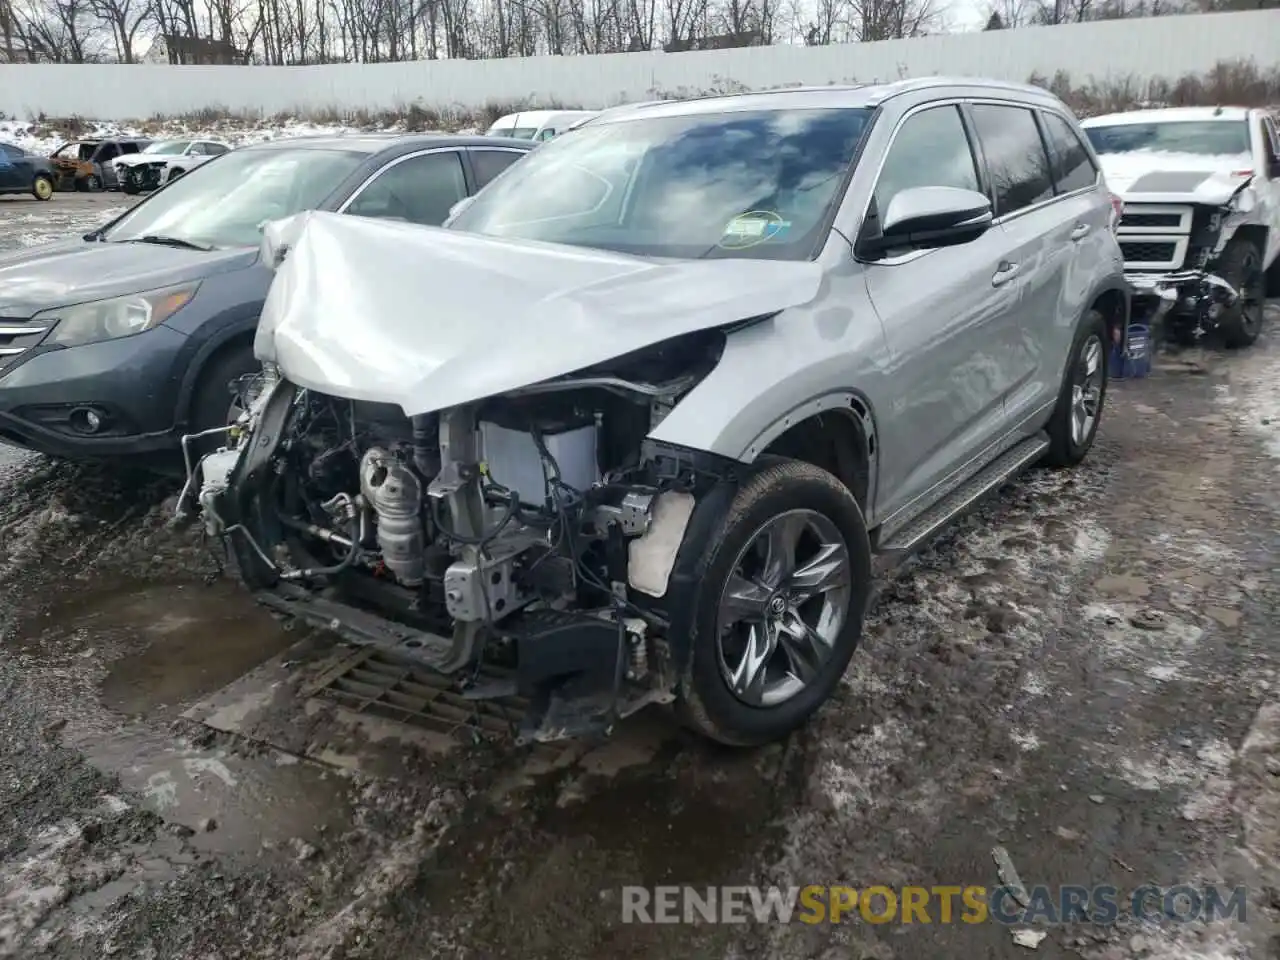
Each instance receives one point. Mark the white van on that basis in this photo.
(537, 124)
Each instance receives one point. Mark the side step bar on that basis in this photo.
(996, 474)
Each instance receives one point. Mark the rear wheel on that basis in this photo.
(1241, 266)
(42, 187)
(780, 607)
(1075, 419)
(91, 184)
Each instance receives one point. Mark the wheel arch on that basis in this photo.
(835, 432)
(1256, 233)
(1113, 303)
(235, 337)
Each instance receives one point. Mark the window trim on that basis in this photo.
(955, 103)
(1034, 110)
(396, 161)
(1083, 141)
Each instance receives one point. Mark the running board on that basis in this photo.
(996, 474)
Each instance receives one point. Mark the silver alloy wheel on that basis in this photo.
(1086, 390)
(783, 607)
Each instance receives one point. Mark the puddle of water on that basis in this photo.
(233, 801)
(195, 639)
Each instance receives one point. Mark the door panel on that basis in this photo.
(1046, 238)
(1070, 241)
(10, 173)
(949, 318)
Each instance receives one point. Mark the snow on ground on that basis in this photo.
(43, 138)
(28, 222)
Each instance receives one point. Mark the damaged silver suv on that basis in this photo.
(643, 423)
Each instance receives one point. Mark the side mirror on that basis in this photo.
(929, 217)
(457, 208)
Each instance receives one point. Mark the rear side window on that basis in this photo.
(128, 148)
(487, 164)
(1072, 167)
(1016, 160)
(929, 150)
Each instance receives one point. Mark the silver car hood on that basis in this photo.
(427, 318)
(1145, 176)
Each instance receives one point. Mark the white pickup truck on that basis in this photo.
(1200, 232)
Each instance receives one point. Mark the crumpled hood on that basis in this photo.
(1148, 176)
(427, 318)
(59, 274)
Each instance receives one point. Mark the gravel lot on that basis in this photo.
(1083, 672)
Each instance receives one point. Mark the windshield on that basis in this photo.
(742, 184)
(221, 203)
(1203, 137)
(168, 146)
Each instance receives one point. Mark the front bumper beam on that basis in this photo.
(1198, 296)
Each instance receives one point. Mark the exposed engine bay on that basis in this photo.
(1184, 281)
(535, 531)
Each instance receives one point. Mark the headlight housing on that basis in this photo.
(117, 317)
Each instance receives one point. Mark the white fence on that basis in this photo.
(1142, 49)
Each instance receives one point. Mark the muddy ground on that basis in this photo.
(1083, 672)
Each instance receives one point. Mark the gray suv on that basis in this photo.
(646, 418)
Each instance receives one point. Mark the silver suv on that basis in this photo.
(644, 422)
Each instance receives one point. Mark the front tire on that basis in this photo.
(1241, 266)
(213, 404)
(784, 584)
(174, 175)
(1074, 423)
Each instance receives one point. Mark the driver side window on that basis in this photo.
(419, 189)
(931, 149)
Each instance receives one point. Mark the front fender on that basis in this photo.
(776, 373)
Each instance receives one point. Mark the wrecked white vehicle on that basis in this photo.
(640, 424)
(1201, 222)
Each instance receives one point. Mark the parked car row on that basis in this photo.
(638, 414)
(132, 165)
(165, 160)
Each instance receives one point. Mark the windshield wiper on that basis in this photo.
(169, 242)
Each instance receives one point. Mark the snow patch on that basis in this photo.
(34, 886)
(1253, 396)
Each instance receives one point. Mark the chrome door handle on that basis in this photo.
(1080, 232)
(1004, 273)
